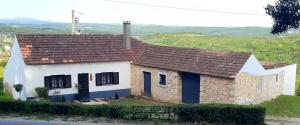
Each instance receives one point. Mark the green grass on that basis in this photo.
(2, 64)
(288, 106)
(272, 48)
(135, 101)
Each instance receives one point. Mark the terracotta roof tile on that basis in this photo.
(214, 63)
(62, 49)
(272, 65)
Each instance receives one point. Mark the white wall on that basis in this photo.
(14, 71)
(289, 79)
(35, 75)
(253, 67)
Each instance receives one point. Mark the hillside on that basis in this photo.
(277, 49)
(138, 30)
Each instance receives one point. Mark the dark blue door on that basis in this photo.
(147, 84)
(190, 87)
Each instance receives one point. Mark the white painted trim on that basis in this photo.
(158, 80)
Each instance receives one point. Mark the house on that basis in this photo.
(101, 66)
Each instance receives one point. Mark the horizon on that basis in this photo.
(115, 23)
(230, 13)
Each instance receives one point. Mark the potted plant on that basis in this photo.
(18, 88)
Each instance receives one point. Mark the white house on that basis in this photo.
(101, 66)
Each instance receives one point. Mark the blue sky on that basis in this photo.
(102, 11)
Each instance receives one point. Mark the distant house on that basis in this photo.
(101, 66)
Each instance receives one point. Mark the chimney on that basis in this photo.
(126, 34)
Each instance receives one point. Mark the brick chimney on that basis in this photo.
(126, 34)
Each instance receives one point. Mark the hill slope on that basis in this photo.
(138, 30)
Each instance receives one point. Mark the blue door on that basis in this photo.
(147, 84)
(190, 87)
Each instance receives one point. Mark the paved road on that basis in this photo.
(21, 121)
(14, 121)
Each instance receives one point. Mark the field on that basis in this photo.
(283, 106)
(2, 64)
(276, 48)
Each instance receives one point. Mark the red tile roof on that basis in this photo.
(62, 49)
(214, 63)
(272, 65)
(55, 49)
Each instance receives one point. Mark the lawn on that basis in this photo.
(135, 101)
(283, 106)
(2, 64)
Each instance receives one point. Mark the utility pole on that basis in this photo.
(73, 22)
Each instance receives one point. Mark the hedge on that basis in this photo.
(177, 113)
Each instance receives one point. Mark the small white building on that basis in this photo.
(102, 66)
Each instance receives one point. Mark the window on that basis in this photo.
(57, 81)
(162, 79)
(107, 78)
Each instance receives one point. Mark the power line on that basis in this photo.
(189, 9)
(100, 18)
(95, 17)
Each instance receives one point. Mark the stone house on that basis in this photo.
(100, 66)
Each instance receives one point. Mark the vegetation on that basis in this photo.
(42, 92)
(135, 102)
(283, 106)
(137, 30)
(2, 64)
(277, 49)
(285, 15)
(178, 113)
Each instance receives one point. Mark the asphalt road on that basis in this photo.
(12, 121)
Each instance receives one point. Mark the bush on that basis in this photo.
(42, 92)
(222, 114)
(6, 98)
(180, 113)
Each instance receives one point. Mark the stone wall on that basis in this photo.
(216, 90)
(171, 92)
(252, 89)
(244, 89)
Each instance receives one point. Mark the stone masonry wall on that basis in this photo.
(216, 90)
(252, 89)
(171, 92)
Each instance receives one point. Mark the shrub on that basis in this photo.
(42, 92)
(214, 113)
(18, 88)
(180, 113)
(6, 98)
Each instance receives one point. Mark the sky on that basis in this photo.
(106, 11)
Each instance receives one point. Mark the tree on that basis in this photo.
(286, 15)
(18, 88)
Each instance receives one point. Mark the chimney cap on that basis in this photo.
(126, 22)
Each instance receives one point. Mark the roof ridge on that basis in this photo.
(202, 49)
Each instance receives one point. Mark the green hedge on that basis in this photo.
(214, 113)
(181, 113)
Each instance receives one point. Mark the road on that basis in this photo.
(17, 121)
(21, 121)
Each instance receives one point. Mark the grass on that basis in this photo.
(288, 106)
(135, 101)
(2, 64)
(277, 48)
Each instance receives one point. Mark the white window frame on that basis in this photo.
(158, 80)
